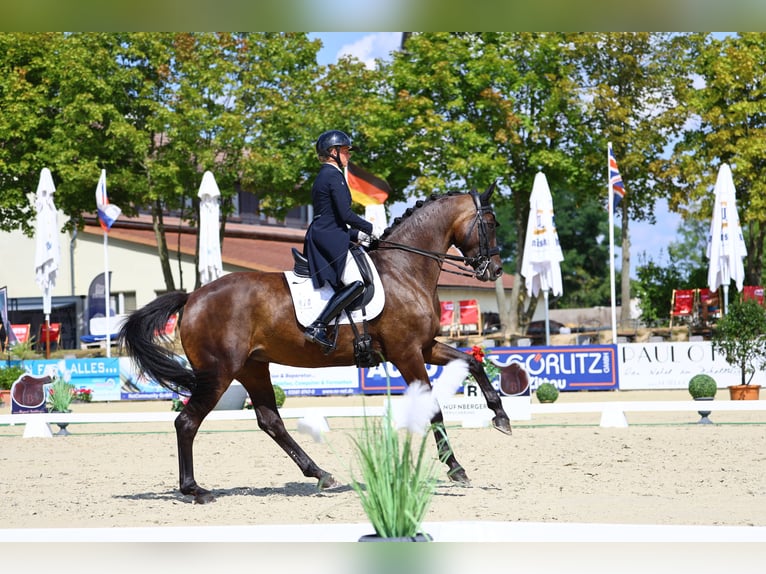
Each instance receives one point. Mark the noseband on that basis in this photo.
(478, 264)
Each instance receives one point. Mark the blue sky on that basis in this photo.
(367, 46)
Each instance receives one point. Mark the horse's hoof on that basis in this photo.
(203, 496)
(459, 476)
(327, 482)
(502, 424)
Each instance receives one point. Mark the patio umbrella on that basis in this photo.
(542, 252)
(47, 250)
(210, 265)
(726, 246)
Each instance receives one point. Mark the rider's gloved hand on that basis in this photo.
(366, 239)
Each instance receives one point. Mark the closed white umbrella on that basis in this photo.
(210, 265)
(726, 246)
(47, 249)
(542, 253)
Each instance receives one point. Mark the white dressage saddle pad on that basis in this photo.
(309, 302)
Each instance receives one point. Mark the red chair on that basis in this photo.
(469, 317)
(52, 335)
(710, 305)
(753, 292)
(21, 331)
(682, 305)
(447, 318)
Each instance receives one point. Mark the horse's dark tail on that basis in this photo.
(138, 337)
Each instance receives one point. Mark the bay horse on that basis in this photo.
(233, 327)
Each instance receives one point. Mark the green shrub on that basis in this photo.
(547, 393)
(702, 386)
(8, 375)
(279, 394)
(740, 336)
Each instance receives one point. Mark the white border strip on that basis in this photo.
(466, 531)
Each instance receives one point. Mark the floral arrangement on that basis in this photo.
(478, 353)
(179, 403)
(82, 395)
(60, 396)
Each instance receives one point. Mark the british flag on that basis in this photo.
(615, 180)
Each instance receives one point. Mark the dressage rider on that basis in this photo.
(334, 227)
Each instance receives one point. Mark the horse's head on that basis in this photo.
(475, 237)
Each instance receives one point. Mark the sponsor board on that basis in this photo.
(671, 365)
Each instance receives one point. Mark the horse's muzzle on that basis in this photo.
(486, 270)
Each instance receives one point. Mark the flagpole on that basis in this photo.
(106, 297)
(612, 285)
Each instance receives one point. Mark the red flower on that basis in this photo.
(478, 353)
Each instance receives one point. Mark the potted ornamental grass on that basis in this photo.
(396, 479)
(60, 396)
(740, 336)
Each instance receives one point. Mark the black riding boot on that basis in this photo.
(317, 331)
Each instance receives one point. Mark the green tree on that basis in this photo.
(655, 289)
(476, 108)
(727, 125)
(26, 120)
(629, 80)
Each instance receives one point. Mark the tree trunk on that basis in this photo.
(501, 300)
(162, 245)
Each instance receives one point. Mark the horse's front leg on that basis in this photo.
(441, 354)
(257, 380)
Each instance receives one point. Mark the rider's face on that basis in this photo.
(345, 155)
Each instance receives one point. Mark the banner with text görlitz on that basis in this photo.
(569, 368)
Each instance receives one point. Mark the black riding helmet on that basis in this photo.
(329, 140)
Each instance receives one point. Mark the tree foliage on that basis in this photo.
(629, 82)
(450, 110)
(727, 125)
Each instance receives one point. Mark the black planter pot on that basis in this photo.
(704, 414)
(62, 426)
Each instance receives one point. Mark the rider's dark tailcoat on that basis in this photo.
(333, 228)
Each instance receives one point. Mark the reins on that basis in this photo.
(478, 264)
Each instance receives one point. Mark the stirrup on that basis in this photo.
(312, 334)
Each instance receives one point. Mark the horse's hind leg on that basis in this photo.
(415, 370)
(456, 472)
(256, 379)
(187, 424)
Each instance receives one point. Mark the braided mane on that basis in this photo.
(410, 210)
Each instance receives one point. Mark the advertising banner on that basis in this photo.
(135, 386)
(100, 375)
(316, 382)
(568, 368)
(671, 365)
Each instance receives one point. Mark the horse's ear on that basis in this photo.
(488, 193)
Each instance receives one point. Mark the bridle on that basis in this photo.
(478, 264)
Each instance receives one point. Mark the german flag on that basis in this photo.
(366, 189)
